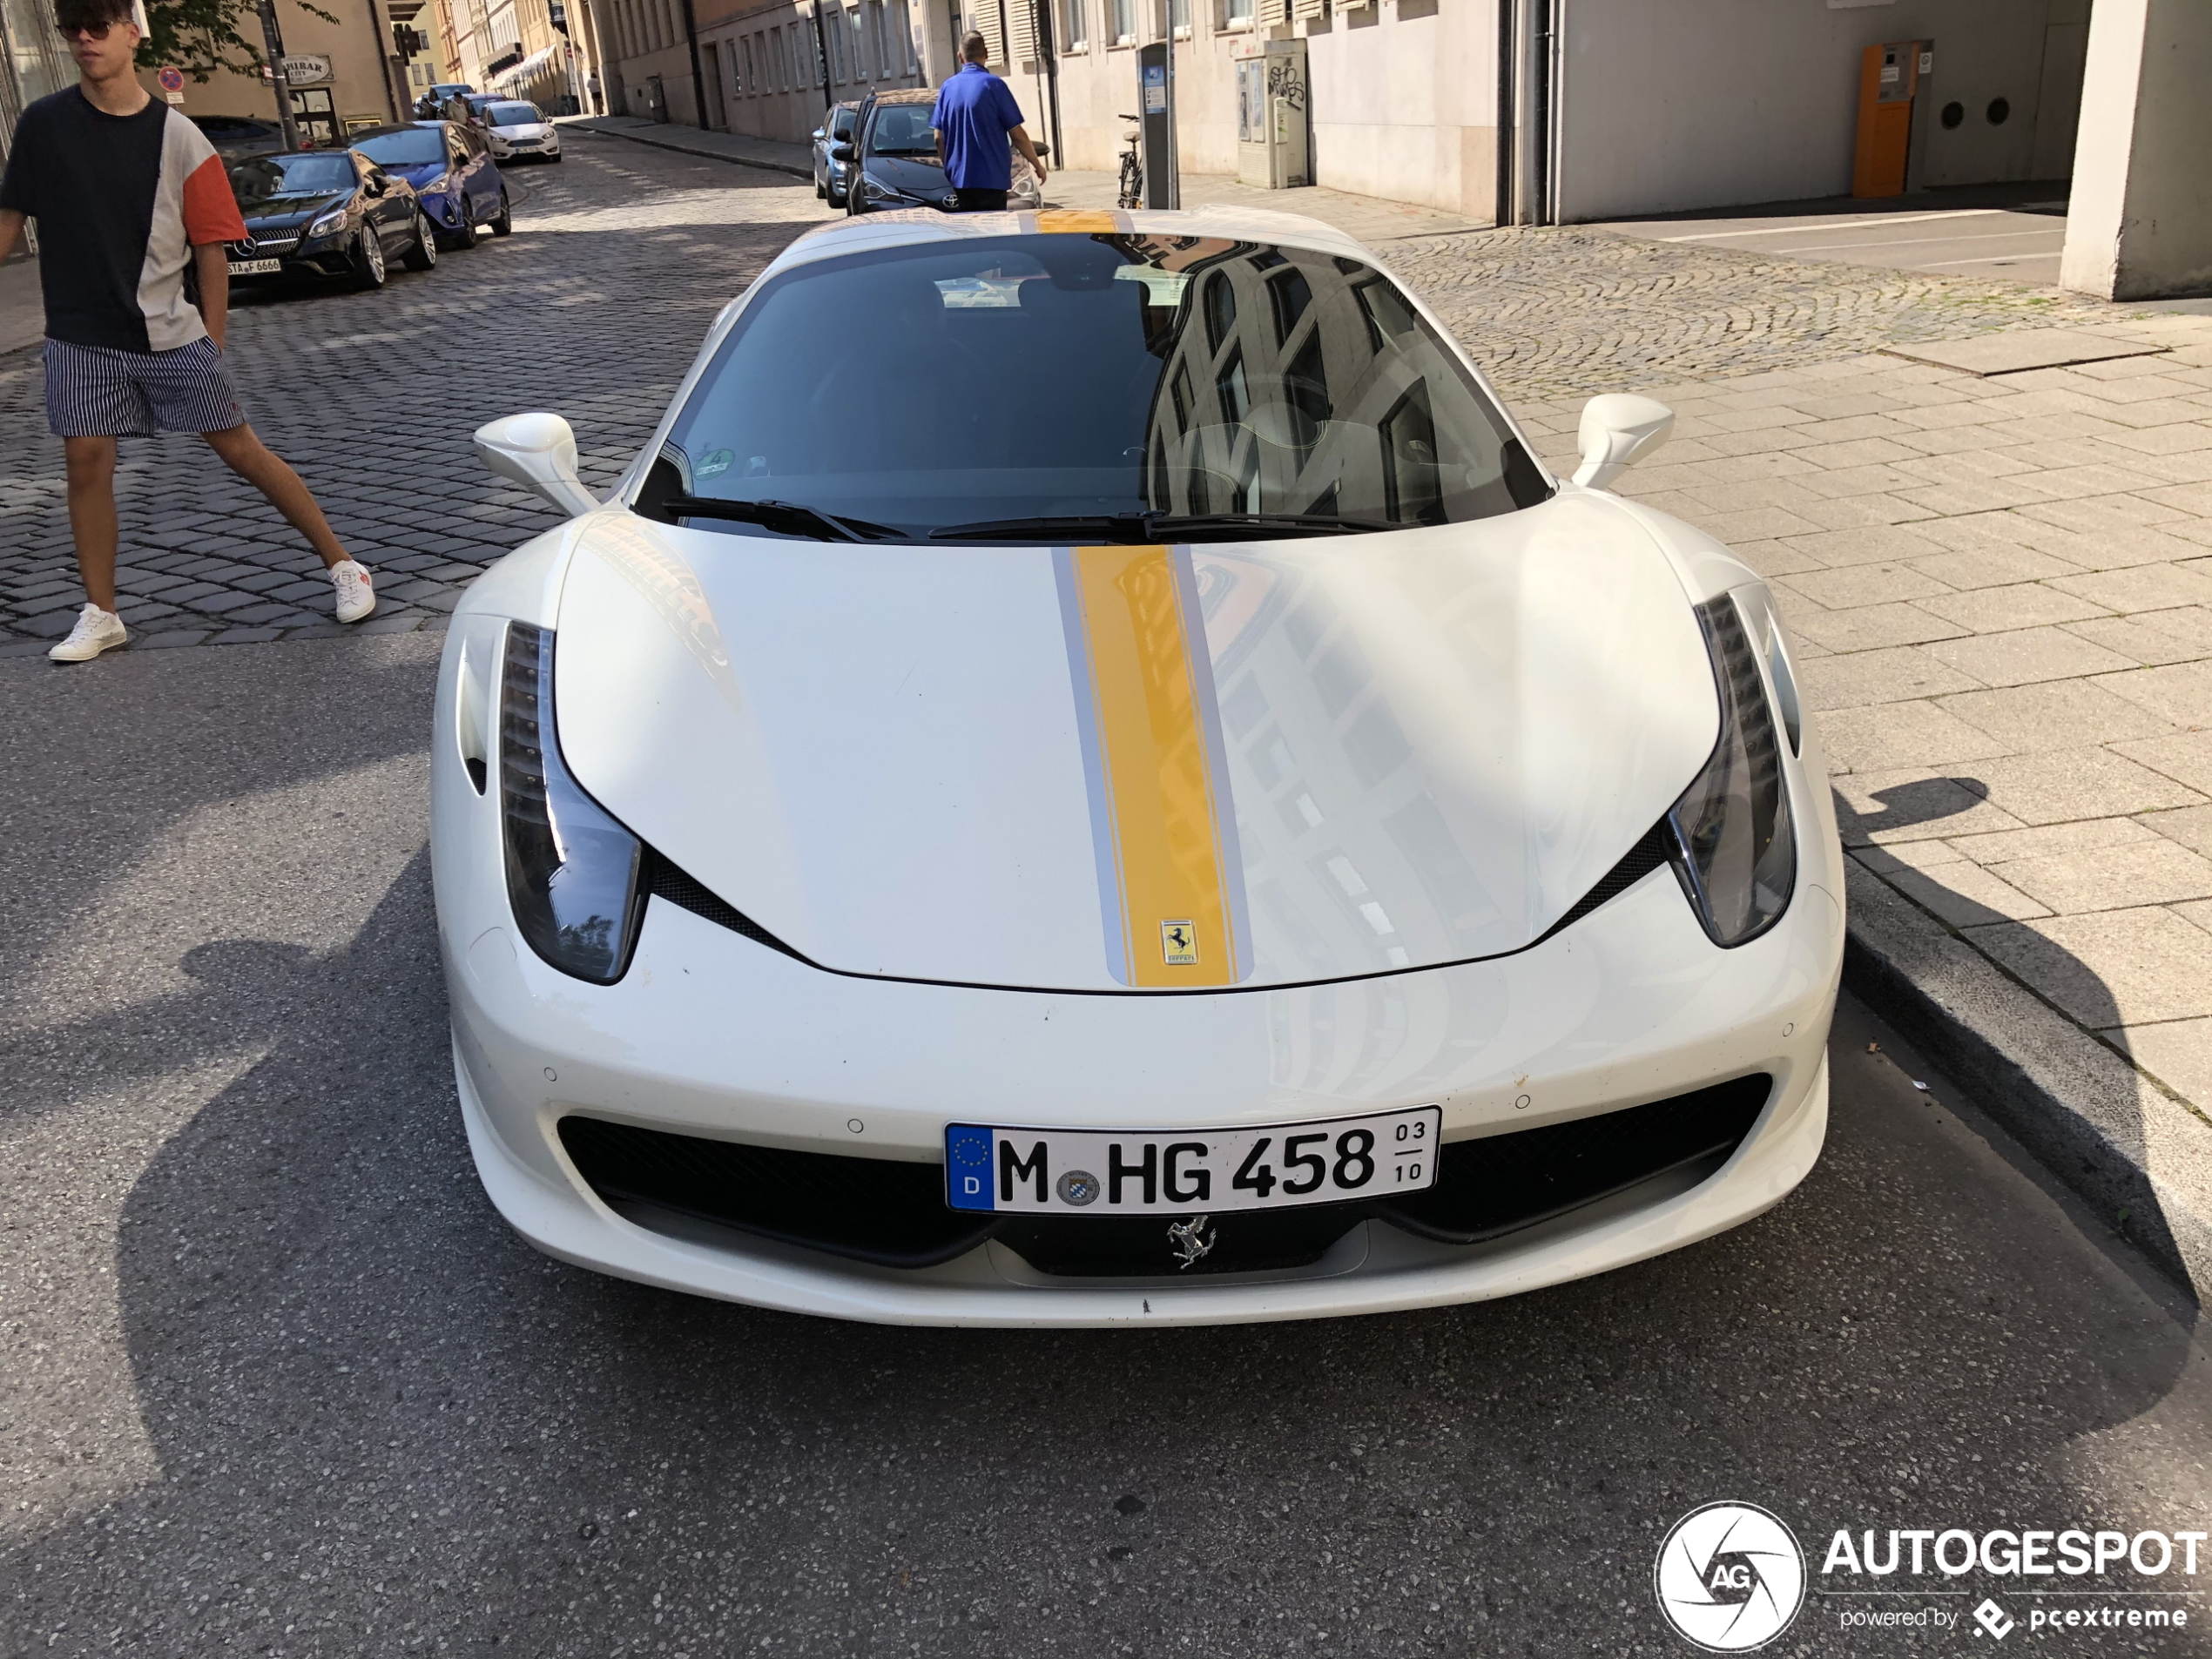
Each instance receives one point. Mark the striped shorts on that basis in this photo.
(95, 391)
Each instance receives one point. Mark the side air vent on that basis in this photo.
(665, 880)
(1639, 861)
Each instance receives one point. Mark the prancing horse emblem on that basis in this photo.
(1190, 1239)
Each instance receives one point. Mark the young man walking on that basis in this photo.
(127, 193)
(974, 117)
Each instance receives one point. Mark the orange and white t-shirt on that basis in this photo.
(121, 202)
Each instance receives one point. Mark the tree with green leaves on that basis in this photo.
(200, 36)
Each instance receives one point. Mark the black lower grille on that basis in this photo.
(895, 1214)
(872, 1209)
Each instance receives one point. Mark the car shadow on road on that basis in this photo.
(376, 1419)
(2103, 1163)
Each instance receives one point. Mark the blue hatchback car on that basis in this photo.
(452, 171)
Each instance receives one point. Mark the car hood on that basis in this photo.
(909, 178)
(1290, 761)
(288, 213)
(417, 173)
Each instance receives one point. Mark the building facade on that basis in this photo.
(772, 71)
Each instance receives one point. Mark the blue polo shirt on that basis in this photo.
(975, 111)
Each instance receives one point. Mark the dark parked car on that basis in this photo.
(829, 173)
(453, 173)
(326, 213)
(236, 137)
(892, 155)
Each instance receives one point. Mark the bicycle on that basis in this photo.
(1132, 168)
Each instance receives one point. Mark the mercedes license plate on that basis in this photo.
(256, 267)
(1175, 1172)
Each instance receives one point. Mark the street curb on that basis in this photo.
(693, 150)
(2139, 1158)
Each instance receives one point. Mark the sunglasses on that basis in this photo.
(88, 31)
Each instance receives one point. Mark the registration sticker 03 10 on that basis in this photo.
(1172, 1172)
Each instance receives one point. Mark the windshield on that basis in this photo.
(902, 130)
(416, 147)
(267, 176)
(944, 387)
(513, 115)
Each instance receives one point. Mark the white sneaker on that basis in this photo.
(356, 596)
(97, 630)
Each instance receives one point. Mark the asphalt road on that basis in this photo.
(275, 1380)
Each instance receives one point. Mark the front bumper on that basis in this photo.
(318, 256)
(709, 1034)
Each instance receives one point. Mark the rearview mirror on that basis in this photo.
(1618, 430)
(538, 452)
(840, 152)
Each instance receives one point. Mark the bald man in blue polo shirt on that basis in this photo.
(974, 117)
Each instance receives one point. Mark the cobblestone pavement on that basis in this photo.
(620, 258)
(1559, 311)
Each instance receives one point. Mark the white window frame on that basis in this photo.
(1120, 12)
(1075, 36)
(1238, 14)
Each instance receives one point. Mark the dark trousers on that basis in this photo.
(979, 201)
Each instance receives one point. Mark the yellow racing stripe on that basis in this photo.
(1162, 810)
(1064, 221)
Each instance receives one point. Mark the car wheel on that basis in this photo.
(369, 260)
(423, 256)
(505, 223)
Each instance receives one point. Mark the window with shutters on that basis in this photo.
(1273, 11)
(1021, 23)
(986, 24)
(1305, 9)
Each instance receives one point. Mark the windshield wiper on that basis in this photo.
(785, 517)
(1156, 526)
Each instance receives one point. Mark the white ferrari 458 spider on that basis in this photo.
(1088, 775)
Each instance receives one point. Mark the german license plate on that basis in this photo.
(256, 267)
(1175, 1172)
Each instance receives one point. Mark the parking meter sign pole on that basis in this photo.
(1155, 88)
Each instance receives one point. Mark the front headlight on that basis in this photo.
(876, 193)
(572, 871)
(437, 186)
(1734, 850)
(333, 220)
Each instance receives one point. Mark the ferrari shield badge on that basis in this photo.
(1179, 944)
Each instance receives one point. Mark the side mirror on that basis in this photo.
(1618, 430)
(841, 153)
(816, 135)
(538, 452)
(1044, 152)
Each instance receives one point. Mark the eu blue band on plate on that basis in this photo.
(967, 1167)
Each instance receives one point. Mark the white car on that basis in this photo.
(1087, 775)
(517, 130)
